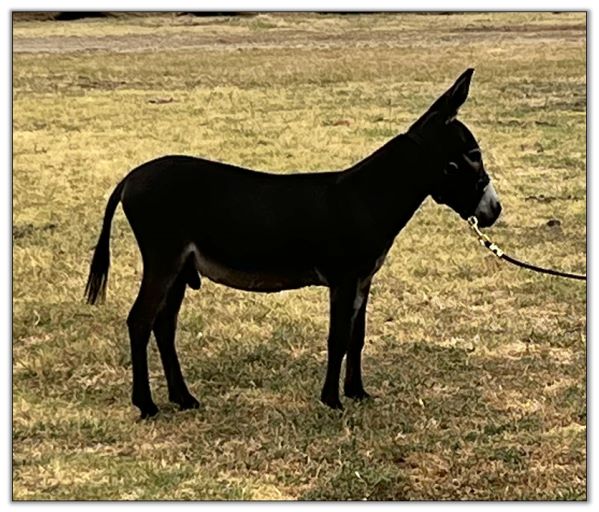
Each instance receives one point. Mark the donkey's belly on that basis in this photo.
(256, 281)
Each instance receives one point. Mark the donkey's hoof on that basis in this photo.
(358, 394)
(148, 411)
(188, 402)
(332, 402)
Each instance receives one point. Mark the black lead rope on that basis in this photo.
(486, 242)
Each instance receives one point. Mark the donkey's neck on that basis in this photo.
(393, 181)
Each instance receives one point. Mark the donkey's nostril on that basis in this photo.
(497, 209)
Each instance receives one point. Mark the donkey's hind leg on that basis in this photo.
(164, 330)
(157, 279)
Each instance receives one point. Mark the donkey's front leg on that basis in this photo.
(342, 315)
(353, 387)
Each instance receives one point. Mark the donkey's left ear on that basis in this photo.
(450, 102)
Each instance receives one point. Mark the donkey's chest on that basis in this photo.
(372, 264)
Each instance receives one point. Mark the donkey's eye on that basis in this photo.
(452, 168)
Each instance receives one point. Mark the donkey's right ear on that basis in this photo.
(448, 104)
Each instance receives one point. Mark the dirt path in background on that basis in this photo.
(293, 38)
(170, 41)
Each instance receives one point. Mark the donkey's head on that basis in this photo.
(461, 181)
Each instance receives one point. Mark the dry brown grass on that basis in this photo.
(479, 367)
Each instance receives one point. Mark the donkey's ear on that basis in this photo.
(448, 104)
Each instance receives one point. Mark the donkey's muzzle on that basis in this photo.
(488, 208)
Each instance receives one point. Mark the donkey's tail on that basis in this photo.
(98, 273)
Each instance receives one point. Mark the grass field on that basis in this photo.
(479, 367)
